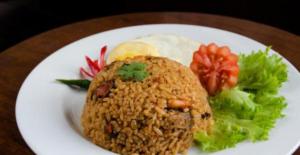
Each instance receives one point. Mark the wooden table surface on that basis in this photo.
(17, 61)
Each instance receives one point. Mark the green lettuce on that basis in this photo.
(250, 110)
(261, 72)
(234, 101)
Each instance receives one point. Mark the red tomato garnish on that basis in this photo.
(216, 67)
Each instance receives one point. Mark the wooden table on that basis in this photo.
(17, 61)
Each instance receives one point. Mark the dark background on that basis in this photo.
(21, 19)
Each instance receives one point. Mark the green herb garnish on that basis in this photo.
(134, 71)
(84, 84)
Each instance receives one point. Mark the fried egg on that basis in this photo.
(131, 49)
(178, 48)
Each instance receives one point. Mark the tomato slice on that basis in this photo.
(216, 67)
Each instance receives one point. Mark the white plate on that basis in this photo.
(48, 113)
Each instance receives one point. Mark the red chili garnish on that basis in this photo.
(102, 62)
(95, 66)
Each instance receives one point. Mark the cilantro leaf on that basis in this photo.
(133, 71)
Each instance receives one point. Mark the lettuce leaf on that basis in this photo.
(261, 72)
(234, 101)
(250, 110)
(227, 132)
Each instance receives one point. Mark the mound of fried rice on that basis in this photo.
(137, 117)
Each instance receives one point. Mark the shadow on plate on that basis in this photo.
(73, 105)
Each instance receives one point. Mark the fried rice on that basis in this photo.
(141, 117)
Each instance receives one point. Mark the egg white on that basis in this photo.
(175, 47)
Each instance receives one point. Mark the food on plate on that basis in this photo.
(76, 83)
(249, 110)
(95, 66)
(153, 105)
(131, 49)
(172, 46)
(216, 67)
(134, 71)
(261, 72)
(145, 105)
